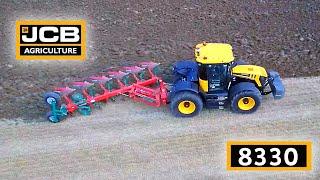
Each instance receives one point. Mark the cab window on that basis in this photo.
(202, 71)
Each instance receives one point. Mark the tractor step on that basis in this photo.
(217, 100)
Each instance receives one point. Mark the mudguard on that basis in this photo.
(187, 69)
(276, 85)
(241, 87)
(179, 86)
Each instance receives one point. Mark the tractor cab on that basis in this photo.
(214, 66)
(214, 72)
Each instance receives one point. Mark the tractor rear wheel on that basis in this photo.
(245, 98)
(186, 104)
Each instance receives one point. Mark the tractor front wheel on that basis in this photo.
(246, 101)
(186, 104)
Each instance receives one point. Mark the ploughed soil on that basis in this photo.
(280, 35)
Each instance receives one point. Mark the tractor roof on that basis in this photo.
(213, 53)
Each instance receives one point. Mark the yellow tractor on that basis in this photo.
(216, 80)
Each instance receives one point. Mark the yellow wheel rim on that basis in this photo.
(246, 103)
(186, 107)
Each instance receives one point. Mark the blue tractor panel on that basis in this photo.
(276, 85)
(186, 69)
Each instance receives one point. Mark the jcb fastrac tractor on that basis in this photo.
(213, 80)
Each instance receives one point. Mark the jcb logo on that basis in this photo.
(50, 39)
(44, 34)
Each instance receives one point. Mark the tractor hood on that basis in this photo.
(254, 73)
(251, 72)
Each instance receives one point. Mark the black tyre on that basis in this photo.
(245, 98)
(186, 104)
(52, 118)
(52, 97)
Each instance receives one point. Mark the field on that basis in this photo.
(131, 140)
(280, 35)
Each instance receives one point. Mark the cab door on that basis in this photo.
(217, 75)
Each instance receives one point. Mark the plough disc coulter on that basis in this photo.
(139, 83)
